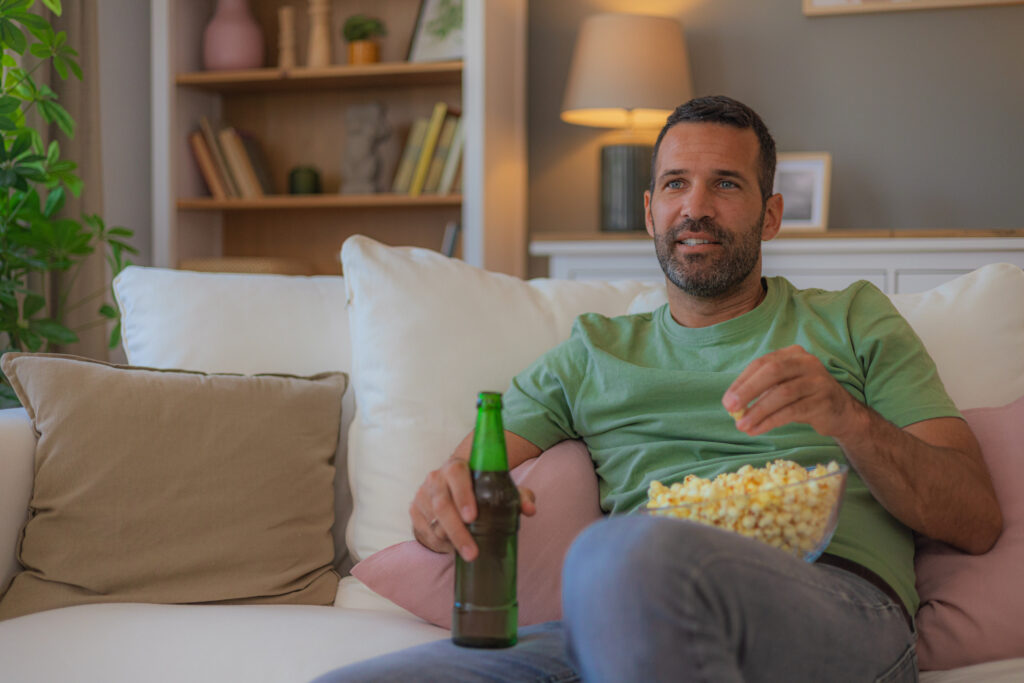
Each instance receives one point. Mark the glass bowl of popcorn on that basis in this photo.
(784, 504)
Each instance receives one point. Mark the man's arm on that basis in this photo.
(444, 503)
(930, 475)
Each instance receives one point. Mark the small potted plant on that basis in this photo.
(359, 32)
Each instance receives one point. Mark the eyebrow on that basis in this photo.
(718, 172)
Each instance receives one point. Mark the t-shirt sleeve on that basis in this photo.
(901, 381)
(538, 403)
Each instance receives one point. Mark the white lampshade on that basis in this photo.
(628, 71)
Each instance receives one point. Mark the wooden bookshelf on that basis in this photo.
(298, 117)
(383, 75)
(319, 201)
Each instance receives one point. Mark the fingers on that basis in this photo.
(762, 374)
(789, 385)
(527, 501)
(438, 508)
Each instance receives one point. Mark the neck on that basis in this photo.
(692, 311)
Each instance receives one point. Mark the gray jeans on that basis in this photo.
(664, 600)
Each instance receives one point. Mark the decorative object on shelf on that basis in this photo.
(815, 7)
(42, 250)
(628, 72)
(304, 180)
(804, 181)
(233, 39)
(438, 33)
(319, 53)
(366, 133)
(286, 37)
(359, 32)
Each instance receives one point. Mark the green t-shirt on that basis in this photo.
(644, 393)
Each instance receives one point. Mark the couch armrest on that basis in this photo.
(17, 448)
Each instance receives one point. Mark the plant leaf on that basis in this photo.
(33, 304)
(54, 201)
(115, 335)
(53, 6)
(53, 331)
(108, 311)
(12, 36)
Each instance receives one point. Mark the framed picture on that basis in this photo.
(803, 180)
(438, 33)
(813, 7)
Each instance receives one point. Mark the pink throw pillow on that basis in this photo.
(565, 484)
(971, 605)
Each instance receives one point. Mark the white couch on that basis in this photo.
(420, 335)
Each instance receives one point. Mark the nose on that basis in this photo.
(697, 203)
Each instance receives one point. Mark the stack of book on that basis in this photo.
(431, 162)
(231, 163)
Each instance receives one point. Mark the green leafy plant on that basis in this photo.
(362, 27)
(35, 241)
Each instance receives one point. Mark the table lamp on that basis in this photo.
(628, 72)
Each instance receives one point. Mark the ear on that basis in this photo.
(648, 219)
(772, 217)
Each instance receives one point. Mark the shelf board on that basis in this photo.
(383, 74)
(320, 201)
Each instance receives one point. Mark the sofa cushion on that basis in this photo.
(196, 644)
(249, 324)
(429, 333)
(175, 487)
(971, 605)
(565, 486)
(975, 317)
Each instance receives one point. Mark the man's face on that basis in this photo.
(706, 213)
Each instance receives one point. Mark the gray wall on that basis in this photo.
(921, 110)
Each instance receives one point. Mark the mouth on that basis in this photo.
(696, 244)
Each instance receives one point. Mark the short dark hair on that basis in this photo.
(728, 112)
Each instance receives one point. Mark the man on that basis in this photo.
(817, 376)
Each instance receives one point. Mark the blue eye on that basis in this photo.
(674, 184)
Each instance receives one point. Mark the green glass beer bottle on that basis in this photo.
(486, 612)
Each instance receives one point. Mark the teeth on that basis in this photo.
(693, 243)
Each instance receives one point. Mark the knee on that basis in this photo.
(615, 559)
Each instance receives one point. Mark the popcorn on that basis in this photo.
(783, 504)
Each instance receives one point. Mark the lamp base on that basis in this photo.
(625, 174)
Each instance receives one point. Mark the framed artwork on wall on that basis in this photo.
(816, 7)
(804, 181)
(438, 32)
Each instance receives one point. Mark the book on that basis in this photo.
(410, 155)
(258, 159)
(419, 177)
(444, 141)
(238, 162)
(454, 160)
(450, 241)
(210, 135)
(207, 167)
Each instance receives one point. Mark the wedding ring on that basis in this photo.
(434, 522)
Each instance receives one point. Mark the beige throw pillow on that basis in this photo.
(175, 487)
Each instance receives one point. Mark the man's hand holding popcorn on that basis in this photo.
(790, 385)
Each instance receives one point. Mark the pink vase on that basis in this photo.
(233, 39)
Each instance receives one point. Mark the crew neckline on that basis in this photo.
(727, 329)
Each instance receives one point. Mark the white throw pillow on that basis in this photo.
(973, 327)
(429, 333)
(247, 324)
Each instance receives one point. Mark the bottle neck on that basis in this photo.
(488, 454)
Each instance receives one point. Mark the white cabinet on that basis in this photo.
(895, 264)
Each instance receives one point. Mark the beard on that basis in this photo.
(703, 275)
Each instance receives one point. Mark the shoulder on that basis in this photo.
(600, 330)
(860, 295)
